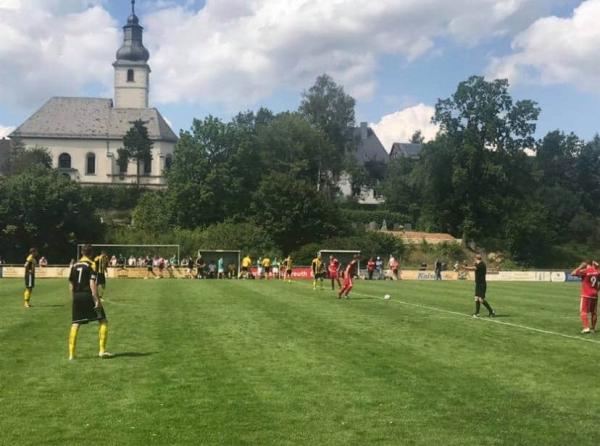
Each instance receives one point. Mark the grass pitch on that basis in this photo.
(269, 363)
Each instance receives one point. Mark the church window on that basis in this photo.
(130, 76)
(90, 164)
(64, 161)
(168, 161)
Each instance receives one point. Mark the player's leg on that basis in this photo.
(73, 340)
(29, 284)
(103, 338)
(27, 298)
(491, 311)
(583, 314)
(594, 311)
(477, 306)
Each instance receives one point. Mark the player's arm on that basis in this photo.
(579, 270)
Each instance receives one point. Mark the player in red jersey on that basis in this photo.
(348, 275)
(590, 282)
(334, 272)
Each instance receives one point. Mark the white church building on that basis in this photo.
(83, 135)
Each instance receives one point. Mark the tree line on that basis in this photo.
(272, 180)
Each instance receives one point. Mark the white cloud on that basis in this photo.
(53, 48)
(236, 52)
(239, 51)
(556, 50)
(5, 130)
(401, 125)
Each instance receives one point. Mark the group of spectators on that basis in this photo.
(375, 269)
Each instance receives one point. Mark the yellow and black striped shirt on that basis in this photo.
(101, 263)
(30, 264)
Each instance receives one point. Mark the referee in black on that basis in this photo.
(480, 286)
(87, 306)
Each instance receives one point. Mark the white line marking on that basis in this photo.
(492, 320)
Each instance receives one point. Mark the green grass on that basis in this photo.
(268, 363)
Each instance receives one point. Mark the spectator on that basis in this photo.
(43, 261)
(221, 268)
(113, 261)
(394, 266)
(371, 268)
(212, 270)
(438, 269)
(231, 271)
(200, 265)
(131, 261)
(379, 268)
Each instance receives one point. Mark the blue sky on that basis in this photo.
(397, 57)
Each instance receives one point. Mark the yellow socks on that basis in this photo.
(103, 336)
(73, 340)
(27, 296)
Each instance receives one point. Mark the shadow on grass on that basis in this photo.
(131, 354)
(49, 306)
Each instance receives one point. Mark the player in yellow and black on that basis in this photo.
(29, 276)
(87, 306)
(318, 271)
(101, 264)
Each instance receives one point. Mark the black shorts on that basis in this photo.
(480, 289)
(244, 268)
(29, 280)
(267, 269)
(319, 275)
(149, 269)
(288, 272)
(83, 309)
(101, 279)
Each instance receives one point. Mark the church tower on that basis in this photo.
(132, 72)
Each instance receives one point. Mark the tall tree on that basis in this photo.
(327, 106)
(137, 145)
(487, 132)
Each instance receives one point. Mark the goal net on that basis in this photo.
(231, 260)
(133, 255)
(344, 256)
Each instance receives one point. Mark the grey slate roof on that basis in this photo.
(406, 149)
(369, 147)
(91, 118)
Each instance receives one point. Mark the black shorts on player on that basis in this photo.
(84, 310)
(101, 279)
(29, 280)
(480, 289)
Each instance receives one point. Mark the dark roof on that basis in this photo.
(369, 147)
(4, 151)
(406, 149)
(91, 118)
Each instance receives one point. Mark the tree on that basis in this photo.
(326, 106)
(293, 211)
(137, 145)
(417, 138)
(21, 159)
(44, 209)
(486, 133)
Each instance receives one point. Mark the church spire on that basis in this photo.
(132, 73)
(133, 49)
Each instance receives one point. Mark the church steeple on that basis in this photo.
(132, 73)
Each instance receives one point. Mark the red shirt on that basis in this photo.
(351, 268)
(589, 281)
(371, 265)
(334, 265)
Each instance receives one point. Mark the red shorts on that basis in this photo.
(333, 275)
(588, 305)
(348, 281)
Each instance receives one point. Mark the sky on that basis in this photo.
(397, 58)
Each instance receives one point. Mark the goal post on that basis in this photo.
(229, 256)
(345, 256)
(128, 250)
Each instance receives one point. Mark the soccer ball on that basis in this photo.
(387, 297)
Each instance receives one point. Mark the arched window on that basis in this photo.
(168, 161)
(147, 166)
(90, 164)
(130, 76)
(64, 161)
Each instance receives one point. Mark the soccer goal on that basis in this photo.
(123, 254)
(344, 256)
(231, 260)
